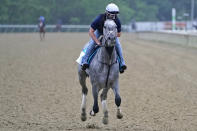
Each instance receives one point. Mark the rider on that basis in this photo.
(41, 24)
(96, 30)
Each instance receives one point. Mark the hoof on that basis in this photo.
(105, 120)
(119, 115)
(83, 116)
(92, 113)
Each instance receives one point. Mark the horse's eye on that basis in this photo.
(105, 27)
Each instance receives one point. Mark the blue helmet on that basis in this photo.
(41, 18)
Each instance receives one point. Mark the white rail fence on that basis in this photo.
(49, 28)
(140, 26)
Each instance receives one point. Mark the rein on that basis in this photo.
(109, 66)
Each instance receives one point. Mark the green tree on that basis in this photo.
(84, 11)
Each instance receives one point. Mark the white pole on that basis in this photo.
(192, 13)
(192, 10)
(173, 19)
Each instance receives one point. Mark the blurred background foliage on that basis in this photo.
(84, 11)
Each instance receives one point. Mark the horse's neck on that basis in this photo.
(107, 56)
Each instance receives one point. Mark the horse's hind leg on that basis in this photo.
(82, 79)
(117, 99)
(104, 105)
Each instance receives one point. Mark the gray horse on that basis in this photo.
(104, 74)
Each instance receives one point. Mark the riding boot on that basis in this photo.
(89, 50)
(122, 65)
(122, 68)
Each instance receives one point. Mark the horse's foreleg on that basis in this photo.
(43, 35)
(95, 96)
(82, 79)
(83, 108)
(117, 99)
(40, 36)
(104, 105)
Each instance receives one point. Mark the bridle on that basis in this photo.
(109, 33)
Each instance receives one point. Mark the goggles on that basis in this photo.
(111, 15)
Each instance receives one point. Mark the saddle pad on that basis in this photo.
(79, 60)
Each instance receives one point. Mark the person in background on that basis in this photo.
(195, 25)
(59, 25)
(41, 26)
(133, 25)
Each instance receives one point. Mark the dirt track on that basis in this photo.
(39, 87)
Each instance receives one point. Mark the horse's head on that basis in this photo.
(109, 33)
